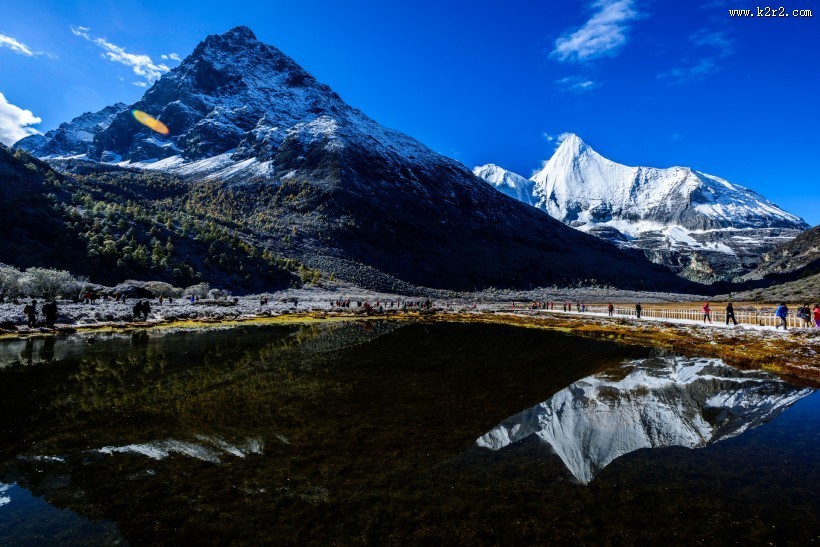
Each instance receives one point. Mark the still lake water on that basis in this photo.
(383, 432)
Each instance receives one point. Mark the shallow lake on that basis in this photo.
(385, 432)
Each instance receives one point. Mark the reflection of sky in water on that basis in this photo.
(649, 403)
(30, 520)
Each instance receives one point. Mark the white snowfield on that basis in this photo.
(651, 403)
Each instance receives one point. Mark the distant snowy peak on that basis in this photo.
(579, 186)
(700, 226)
(507, 182)
(71, 138)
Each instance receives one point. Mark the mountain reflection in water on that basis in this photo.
(648, 403)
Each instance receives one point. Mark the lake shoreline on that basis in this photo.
(791, 354)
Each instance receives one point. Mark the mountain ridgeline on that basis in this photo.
(264, 159)
(701, 226)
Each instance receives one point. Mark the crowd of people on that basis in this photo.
(810, 317)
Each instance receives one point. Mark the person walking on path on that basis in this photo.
(30, 311)
(50, 313)
(638, 309)
(611, 309)
(137, 310)
(707, 313)
(804, 313)
(817, 316)
(782, 312)
(730, 313)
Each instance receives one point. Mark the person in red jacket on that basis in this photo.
(817, 316)
(706, 312)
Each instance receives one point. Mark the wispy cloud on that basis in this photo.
(15, 122)
(171, 56)
(142, 65)
(576, 84)
(17, 46)
(715, 46)
(601, 36)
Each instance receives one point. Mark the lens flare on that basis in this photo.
(151, 122)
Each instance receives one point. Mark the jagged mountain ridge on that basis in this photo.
(699, 225)
(71, 138)
(295, 171)
(797, 258)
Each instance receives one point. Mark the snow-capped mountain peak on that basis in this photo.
(698, 224)
(578, 185)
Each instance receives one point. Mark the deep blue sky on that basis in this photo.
(644, 82)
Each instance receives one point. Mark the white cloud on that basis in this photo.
(15, 46)
(603, 35)
(15, 122)
(142, 65)
(577, 84)
(171, 56)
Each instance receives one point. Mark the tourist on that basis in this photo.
(817, 316)
(782, 312)
(707, 312)
(50, 313)
(730, 313)
(638, 309)
(804, 313)
(30, 311)
(610, 309)
(145, 309)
